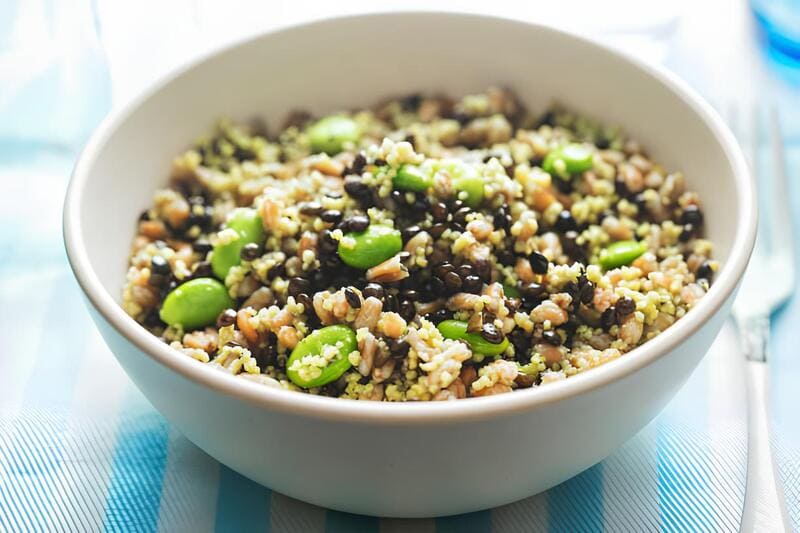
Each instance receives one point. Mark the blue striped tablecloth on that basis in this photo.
(82, 450)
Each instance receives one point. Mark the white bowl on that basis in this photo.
(421, 459)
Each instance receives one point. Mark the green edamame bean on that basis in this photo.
(370, 247)
(473, 186)
(247, 223)
(330, 134)
(196, 303)
(342, 337)
(621, 253)
(411, 178)
(457, 329)
(567, 160)
(465, 178)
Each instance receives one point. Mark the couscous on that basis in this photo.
(427, 248)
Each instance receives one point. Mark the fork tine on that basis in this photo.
(745, 127)
(782, 243)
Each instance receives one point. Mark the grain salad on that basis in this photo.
(427, 248)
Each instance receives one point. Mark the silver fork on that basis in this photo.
(767, 284)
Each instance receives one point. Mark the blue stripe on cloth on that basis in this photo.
(338, 522)
(478, 522)
(585, 488)
(242, 504)
(134, 492)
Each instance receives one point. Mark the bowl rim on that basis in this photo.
(404, 413)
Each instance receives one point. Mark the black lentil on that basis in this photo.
(399, 348)
(506, 257)
(492, 334)
(687, 234)
(409, 232)
(524, 381)
(563, 185)
(502, 219)
(608, 318)
(483, 269)
(202, 269)
(298, 286)
(311, 209)
(250, 251)
(452, 281)
(586, 292)
(356, 223)
(704, 271)
(437, 230)
(226, 318)
(359, 162)
(521, 342)
(551, 337)
(565, 222)
(159, 280)
(407, 310)
(410, 294)
(352, 298)
(532, 290)
(356, 188)
(331, 216)
(390, 303)
(306, 301)
(539, 263)
(624, 307)
(692, 215)
(472, 284)
(202, 219)
(159, 265)
(373, 290)
(276, 271)
(460, 216)
(437, 286)
(439, 212)
(464, 270)
(327, 244)
(201, 246)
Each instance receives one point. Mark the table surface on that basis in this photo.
(81, 449)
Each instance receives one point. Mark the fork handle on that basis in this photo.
(764, 508)
(754, 334)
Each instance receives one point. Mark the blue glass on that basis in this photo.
(780, 23)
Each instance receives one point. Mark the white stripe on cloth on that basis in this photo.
(630, 485)
(189, 491)
(528, 515)
(294, 516)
